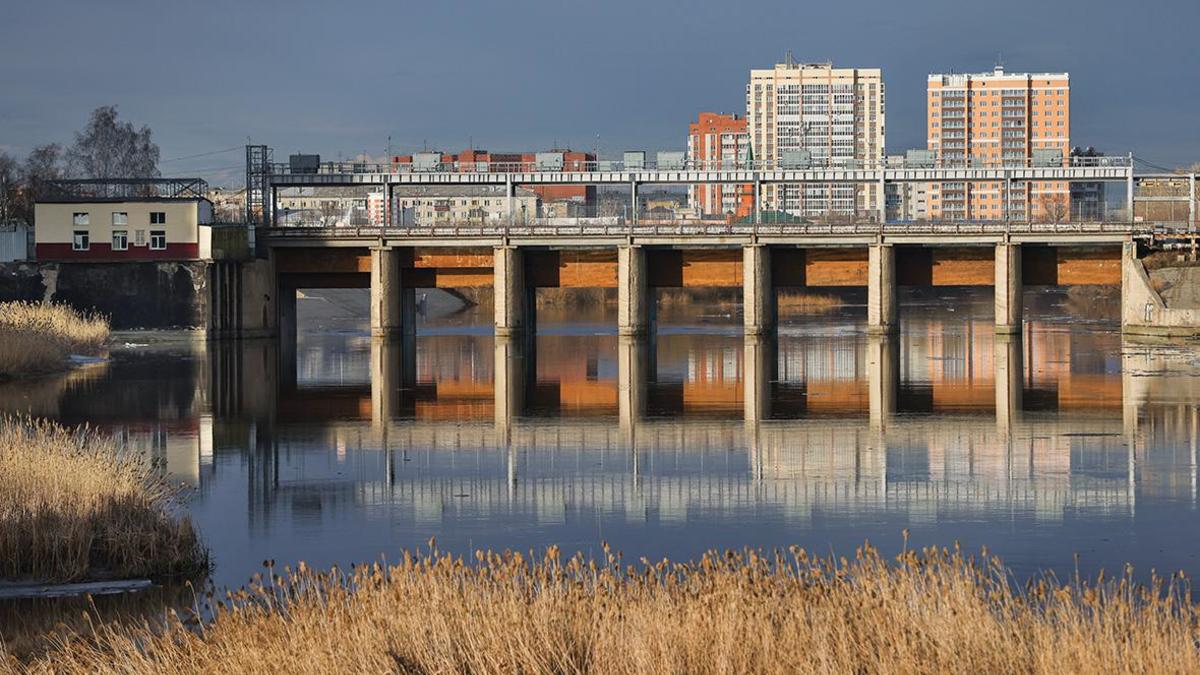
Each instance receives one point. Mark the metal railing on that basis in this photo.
(705, 229)
(581, 166)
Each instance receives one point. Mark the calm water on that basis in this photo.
(343, 450)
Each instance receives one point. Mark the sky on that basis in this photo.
(340, 78)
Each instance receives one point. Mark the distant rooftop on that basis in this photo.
(996, 73)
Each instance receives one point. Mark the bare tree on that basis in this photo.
(1054, 210)
(10, 187)
(44, 163)
(109, 148)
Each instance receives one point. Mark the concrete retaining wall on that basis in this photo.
(133, 295)
(1143, 311)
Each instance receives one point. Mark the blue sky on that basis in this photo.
(339, 78)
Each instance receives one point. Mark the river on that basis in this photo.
(1066, 449)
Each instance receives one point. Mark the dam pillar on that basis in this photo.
(511, 299)
(758, 293)
(635, 306)
(1008, 288)
(386, 301)
(881, 289)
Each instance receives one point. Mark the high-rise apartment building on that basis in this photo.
(719, 141)
(799, 113)
(995, 118)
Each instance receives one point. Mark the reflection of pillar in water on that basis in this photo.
(509, 386)
(287, 361)
(1132, 361)
(1009, 364)
(759, 366)
(883, 355)
(286, 309)
(385, 381)
(633, 361)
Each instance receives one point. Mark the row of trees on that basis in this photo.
(105, 148)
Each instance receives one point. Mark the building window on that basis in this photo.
(158, 217)
(79, 218)
(120, 218)
(120, 240)
(139, 237)
(158, 240)
(80, 241)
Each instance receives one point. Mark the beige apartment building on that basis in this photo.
(802, 114)
(135, 229)
(993, 118)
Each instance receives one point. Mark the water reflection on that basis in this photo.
(345, 448)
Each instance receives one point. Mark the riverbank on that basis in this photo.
(38, 338)
(76, 506)
(929, 611)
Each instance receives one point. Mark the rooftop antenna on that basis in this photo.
(789, 59)
(999, 63)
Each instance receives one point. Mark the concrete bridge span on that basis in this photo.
(394, 263)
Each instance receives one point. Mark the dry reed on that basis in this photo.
(76, 505)
(932, 611)
(38, 337)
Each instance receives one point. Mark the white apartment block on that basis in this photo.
(834, 115)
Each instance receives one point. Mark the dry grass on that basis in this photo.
(76, 505)
(38, 338)
(808, 303)
(929, 612)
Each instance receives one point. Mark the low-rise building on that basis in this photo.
(460, 204)
(483, 160)
(79, 221)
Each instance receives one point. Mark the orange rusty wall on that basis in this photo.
(835, 266)
(1089, 265)
(965, 266)
(452, 257)
(945, 265)
(571, 269)
(700, 268)
(587, 269)
(712, 268)
(1070, 265)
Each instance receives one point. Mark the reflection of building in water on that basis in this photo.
(924, 470)
(300, 454)
(1072, 369)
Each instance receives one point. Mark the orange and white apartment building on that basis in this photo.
(719, 141)
(993, 118)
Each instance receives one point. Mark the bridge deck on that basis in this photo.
(693, 176)
(710, 234)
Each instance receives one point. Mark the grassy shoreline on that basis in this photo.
(929, 611)
(75, 505)
(37, 338)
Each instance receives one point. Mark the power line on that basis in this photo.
(202, 154)
(1155, 166)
